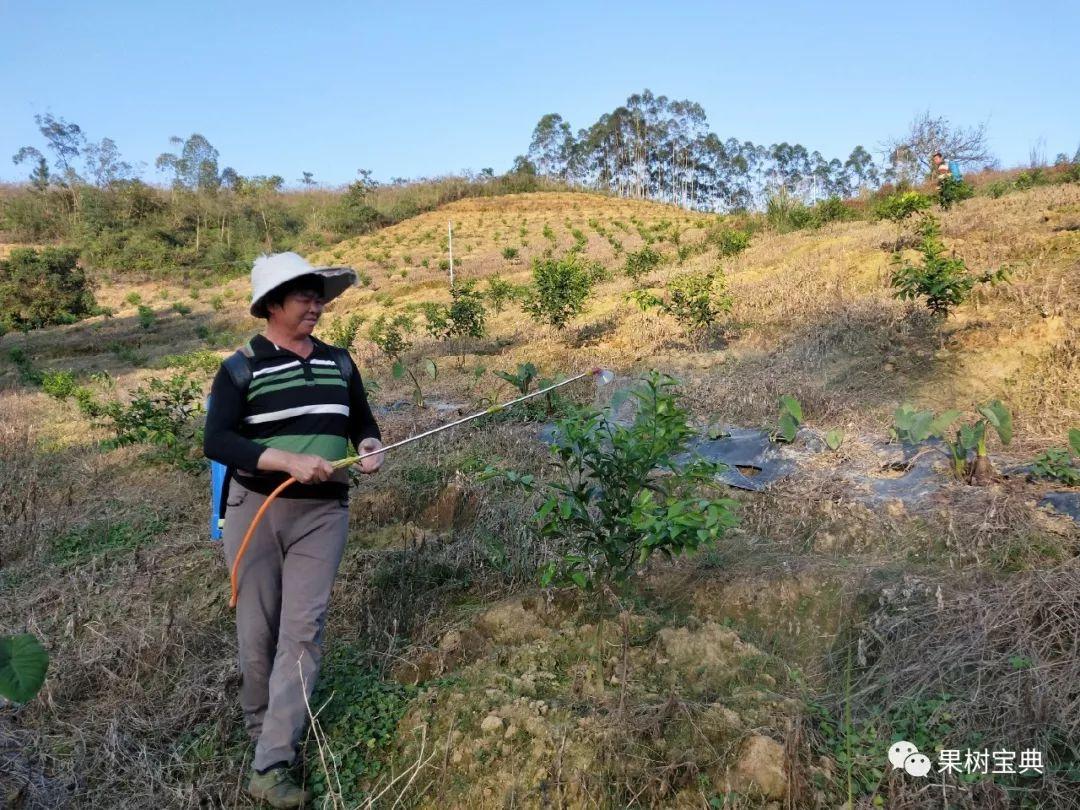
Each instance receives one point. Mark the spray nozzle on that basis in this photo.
(603, 375)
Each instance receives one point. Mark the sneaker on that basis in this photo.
(277, 788)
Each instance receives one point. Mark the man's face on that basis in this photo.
(299, 312)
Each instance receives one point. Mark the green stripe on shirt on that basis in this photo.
(291, 374)
(326, 445)
(266, 389)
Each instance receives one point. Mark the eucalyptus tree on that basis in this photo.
(552, 146)
(66, 141)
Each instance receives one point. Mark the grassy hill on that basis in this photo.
(776, 668)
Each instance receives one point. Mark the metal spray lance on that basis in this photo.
(603, 377)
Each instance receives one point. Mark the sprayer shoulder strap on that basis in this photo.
(238, 364)
(343, 362)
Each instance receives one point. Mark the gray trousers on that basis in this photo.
(284, 586)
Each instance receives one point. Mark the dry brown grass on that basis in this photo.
(1005, 653)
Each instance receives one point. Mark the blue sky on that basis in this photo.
(412, 89)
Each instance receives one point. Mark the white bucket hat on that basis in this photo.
(270, 271)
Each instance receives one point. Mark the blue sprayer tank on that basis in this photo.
(218, 473)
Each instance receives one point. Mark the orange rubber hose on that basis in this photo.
(250, 532)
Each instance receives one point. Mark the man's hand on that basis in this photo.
(309, 469)
(305, 468)
(372, 463)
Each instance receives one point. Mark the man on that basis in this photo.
(297, 406)
(940, 168)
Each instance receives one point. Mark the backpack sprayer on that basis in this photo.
(218, 471)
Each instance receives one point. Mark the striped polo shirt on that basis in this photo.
(294, 404)
(300, 405)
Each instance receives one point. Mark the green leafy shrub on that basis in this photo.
(352, 215)
(200, 361)
(147, 316)
(952, 191)
(997, 189)
(27, 373)
(641, 262)
(560, 289)
(622, 493)
(509, 253)
(133, 298)
(464, 317)
(1057, 462)
(181, 308)
(58, 384)
(342, 331)
(1031, 178)
(785, 212)
(436, 318)
(23, 663)
(217, 302)
(829, 210)
(87, 402)
(391, 334)
(500, 292)
(727, 241)
(468, 317)
(899, 206)
(943, 281)
(915, 427)
(161, 413)
(43, 287)
(697, 300)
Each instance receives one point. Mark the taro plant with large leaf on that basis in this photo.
(791, 416)
(23, 662)
(915, 427)
(622, 493)
(521, 379)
